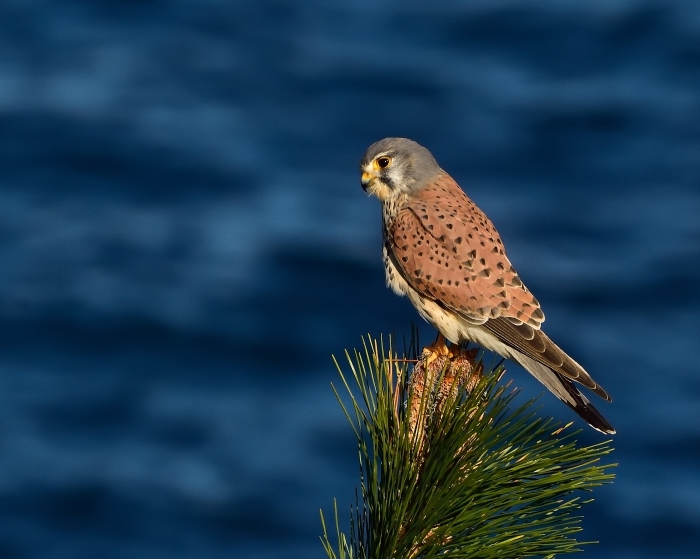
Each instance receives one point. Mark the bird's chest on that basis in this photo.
(394, 278)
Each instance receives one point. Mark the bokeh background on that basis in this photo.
(184, 243)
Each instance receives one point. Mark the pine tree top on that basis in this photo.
(450, 467)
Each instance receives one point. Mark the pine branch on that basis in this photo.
(447, 468)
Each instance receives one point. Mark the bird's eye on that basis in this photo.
(383, 162)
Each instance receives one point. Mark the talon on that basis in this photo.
(453, 351)
(437, 349)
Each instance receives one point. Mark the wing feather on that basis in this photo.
(464, 232)
(449, 251)
(537, 345)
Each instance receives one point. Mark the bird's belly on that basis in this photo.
(448, 323)
(454, 327)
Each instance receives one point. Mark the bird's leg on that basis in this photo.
(437, 349)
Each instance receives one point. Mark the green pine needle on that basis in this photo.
(475, 479)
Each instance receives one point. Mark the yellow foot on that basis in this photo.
(437, 349)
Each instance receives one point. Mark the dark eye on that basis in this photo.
(383, 162)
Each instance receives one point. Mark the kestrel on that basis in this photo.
(445, 255)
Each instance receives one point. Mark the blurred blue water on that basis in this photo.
(184, 243)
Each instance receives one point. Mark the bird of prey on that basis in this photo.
(444, 254)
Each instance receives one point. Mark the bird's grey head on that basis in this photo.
(395, 166)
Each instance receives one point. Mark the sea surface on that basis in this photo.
(184, 244)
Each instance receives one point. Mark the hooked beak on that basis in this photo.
(367, 179)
